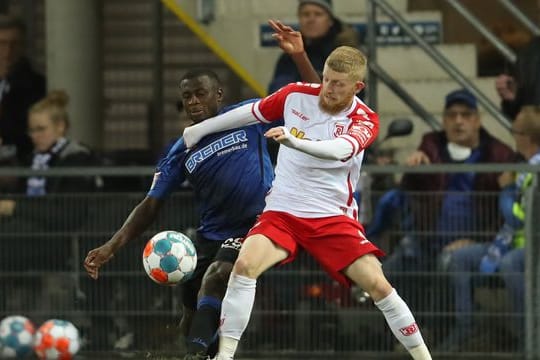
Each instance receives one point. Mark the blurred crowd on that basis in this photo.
(465, 229)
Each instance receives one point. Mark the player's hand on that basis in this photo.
(280, 134)
(506, 87)
(506, 178)
(289, 40)
(96, 258)
(417, 158)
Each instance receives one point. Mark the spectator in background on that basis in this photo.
(523, 88)
(505, 253)
(322, 32)
(27, 221)
(20, 87)
(48, 125)
(444, 212)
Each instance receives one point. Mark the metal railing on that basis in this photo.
(441, 60)
(299, 310)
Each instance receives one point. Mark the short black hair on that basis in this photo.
(195, 73)
(12, 22)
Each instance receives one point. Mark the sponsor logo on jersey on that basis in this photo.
(232, 243)
(298, 133)
(300, 115)
(225, 142)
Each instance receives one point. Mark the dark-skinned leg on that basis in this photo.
(206, 319)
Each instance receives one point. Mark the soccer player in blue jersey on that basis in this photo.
(230, 173)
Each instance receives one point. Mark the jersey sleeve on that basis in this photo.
(363, 130)
(169, 172)
(271, 108)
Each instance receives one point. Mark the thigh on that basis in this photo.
(336, 243)
(467, 258)
(258, 254)
(273, 230)
(367, 273)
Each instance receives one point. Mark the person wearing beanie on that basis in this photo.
(322, 32)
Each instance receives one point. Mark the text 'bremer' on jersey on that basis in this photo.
(322, 187)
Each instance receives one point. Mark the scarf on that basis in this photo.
(36, 185)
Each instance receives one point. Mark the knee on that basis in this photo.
(215, 279)
(246, 267)
(378, 287)
(509, 265)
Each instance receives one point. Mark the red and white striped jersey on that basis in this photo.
(306, 186)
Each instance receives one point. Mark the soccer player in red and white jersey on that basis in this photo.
(311, 204)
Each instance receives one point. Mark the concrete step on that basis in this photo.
(281, 8)
(428, 93)
(412, 63)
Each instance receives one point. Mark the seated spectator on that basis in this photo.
(322, 32)
(523, 88)
(448, 206)
(35, 226)
(48, 125)
(505, 253)
(442, 208)
(20, 87)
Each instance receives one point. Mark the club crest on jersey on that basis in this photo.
(339, 129)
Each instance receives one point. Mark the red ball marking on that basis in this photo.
(47, 340)
(148, 249)
(62, 344)
(46, 327)
(159, 275)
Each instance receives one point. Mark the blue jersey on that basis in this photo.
(230, 172)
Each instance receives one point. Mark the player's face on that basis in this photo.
(43, 131)
(201, 98)
(337, 91)
(314, 21)
(462, 125)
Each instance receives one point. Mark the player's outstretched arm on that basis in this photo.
(137, 222)
(238, 117)
(335, 149)
(290, 41)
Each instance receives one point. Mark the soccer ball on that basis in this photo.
(169, 258)
(57, 339)
(16, 337)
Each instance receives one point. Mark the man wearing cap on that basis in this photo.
(322, 32)
(445, 213)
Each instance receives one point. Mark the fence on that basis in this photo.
(299, 310)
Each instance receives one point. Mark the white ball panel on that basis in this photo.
(153, 260)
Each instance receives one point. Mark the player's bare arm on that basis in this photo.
(137, 222)
(290, 41)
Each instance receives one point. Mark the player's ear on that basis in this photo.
(360, 85)
(220, 94)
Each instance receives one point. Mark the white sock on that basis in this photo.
(402, 323)
(235, 313)
(420, 352)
